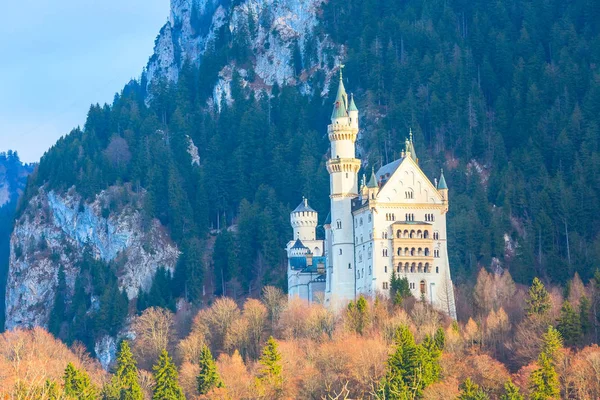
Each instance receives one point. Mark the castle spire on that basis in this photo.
(373, 180)
(442, 184)
(413, 153)
(341, 99)
(352, 106)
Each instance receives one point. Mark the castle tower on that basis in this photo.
(343, 176)
(304, 221)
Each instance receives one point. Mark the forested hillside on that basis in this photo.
(504, 95)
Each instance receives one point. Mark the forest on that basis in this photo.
(504, 95)
(521, 342)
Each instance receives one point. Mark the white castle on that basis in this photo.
(394, 222)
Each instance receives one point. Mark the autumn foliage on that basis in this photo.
(375, 348)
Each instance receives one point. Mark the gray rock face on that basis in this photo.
(273, 29)
(54, 230)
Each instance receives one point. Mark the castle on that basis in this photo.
(395, 221)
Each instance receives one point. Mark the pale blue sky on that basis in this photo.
(59, 56)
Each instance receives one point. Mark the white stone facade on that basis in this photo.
(395, 222)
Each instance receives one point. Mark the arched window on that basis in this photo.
(349, 265)
(420, 267)
(422, 287)
(426, 234)
(437, 270)
(436, 235)
(405, 234)
(399, 267)
(419, 234)
(340, 252)
(398, 233)
(399, 252)
(426, 252)
(406, 268)
(412, 267)
(339, 224)
(412, 234)
(385, 269)
(420, 252)
(406, 251)
(427, 270)
(412, 251)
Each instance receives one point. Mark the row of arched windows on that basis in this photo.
(390, 217)
(409, 217)
(429, 217)
(418, 234)
(408, 268)
(419, 252)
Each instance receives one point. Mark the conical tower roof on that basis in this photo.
(341, 100)
(442, 184)
(373, 180)
(352, 106)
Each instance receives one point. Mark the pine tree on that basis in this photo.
(584, 315)
(125, 381)
(440, 338)
(208, 378)
(401, 365)
(270, 370)
(511, 392)
(57, 316)
(544, 382)
(569, 325)
(77, 384)
(551, 342)
(469, 390)
(538, 302)
(166, 379)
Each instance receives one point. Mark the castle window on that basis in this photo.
(346, 175)
(340, 252)
(426, 252)
(385, 269)
(412, 285)
(426, 234)
(369, 217)
(370, 270)
(349, 265)
(385, 252)
(399, 252)
(422, 287)
(409, 194)
(437, 270)
(436, 253)
(361, 222)
(398, 233)
(412, 234)
(385, 285)
(338, 224)
(361, 239)
(436, 235)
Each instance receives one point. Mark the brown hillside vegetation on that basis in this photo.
(373, 349)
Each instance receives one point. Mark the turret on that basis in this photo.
(443, 187)
(372, 186)
(353, 112)
(339, 115)
(304, 221)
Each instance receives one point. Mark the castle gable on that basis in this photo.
(405, 182)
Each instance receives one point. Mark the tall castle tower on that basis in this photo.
(343, 169)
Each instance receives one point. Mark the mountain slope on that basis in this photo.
(504, 97)
(13, 176)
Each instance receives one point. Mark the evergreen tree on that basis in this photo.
(584, 315)
(166, 379)
(551, 343)
(544, 382)
(208, 378)
(77, 384)
(538, 301)
(511, 392)
(270, 369)
(469, 390)
(440, 338)
(569, 325)
(125, 383)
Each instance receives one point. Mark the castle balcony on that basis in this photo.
(408, 265)
(343, 165)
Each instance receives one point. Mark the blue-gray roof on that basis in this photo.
(303, 206)
(442, 183)
(298, 245)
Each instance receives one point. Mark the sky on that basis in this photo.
(59, 56)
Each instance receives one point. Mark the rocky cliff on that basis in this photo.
(280, 35)
(55, 228)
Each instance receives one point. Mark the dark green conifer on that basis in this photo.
(569, 325)
(538, 301)
(208, 378)
(270, 365)
(77, 384)
(166, 379)
(125, 380)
